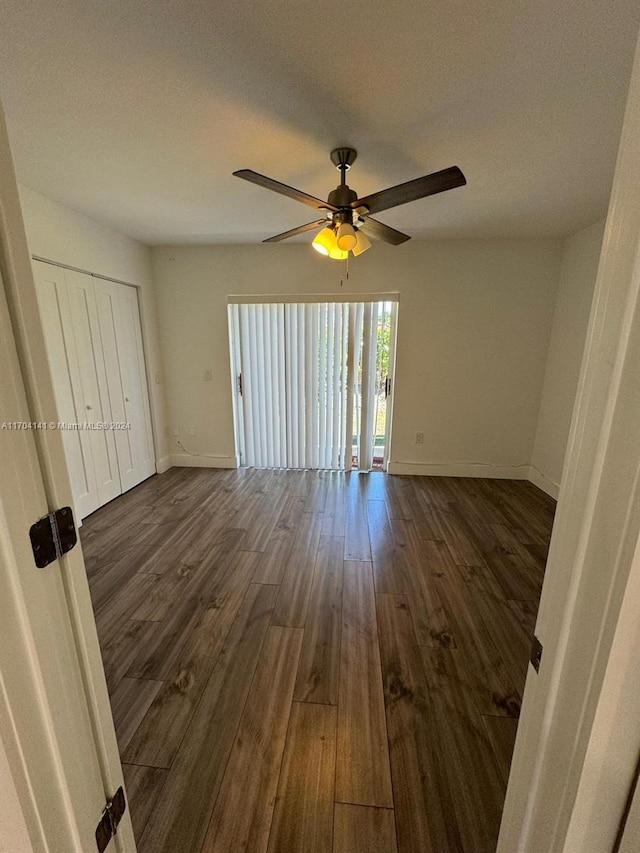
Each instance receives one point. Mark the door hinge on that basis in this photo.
(111, 817)
(240, 384)
(536, 653)
(53, 536)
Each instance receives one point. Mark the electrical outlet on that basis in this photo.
(176, 431)
(192, 430)
(158, 377)
(208, 375)
(419, 438)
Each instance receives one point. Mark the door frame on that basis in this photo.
(578, 738)
(53, 816)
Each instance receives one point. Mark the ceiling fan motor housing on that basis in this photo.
(342, 196)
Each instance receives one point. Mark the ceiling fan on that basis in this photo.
(346, 218)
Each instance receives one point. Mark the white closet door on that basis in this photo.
(53, 302)
(121, 334)
(88, 381)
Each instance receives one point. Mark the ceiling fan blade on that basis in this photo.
(299, 230)
(373, 228)
(437, 182)
(283, 189)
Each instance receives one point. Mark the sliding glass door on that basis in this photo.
(309, 385)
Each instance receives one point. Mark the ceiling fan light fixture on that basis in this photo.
(346, 237)
(338, 254)
(362, 243)
(324, 241)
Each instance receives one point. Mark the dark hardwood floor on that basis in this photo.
(316, 662)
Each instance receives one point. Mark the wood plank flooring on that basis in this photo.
(317, 662)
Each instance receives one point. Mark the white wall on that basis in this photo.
(57, 233)
(474, 324)
(580, 258)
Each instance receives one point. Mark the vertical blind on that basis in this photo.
(306, 382)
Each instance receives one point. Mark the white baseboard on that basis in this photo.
(425, 469)
(461, 469)
(543, 482)
(186, 460)
(163, 464)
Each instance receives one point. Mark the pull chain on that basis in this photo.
(346, 276)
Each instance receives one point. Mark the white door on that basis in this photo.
(57, 730)
(52, 300)
(121, 335)
(89, 381)
(43, 686)
(577, 743)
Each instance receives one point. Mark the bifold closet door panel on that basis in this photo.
(51, 288)
(121, 334)
(89, 382)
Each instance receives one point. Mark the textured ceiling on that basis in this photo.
(136, 112)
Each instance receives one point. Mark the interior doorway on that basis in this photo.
(313, 383)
